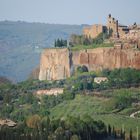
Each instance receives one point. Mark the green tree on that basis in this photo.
(131, 135)
(74, 137)
(33, 121)
(7, 98)
(81, 69)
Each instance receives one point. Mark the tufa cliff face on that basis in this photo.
(59, 64)
(55, 64)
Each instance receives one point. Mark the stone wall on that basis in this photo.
(58, 64)
(93, 31)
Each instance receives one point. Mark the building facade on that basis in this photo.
(94, 30)
(113, 26)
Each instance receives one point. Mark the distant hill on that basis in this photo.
(4, 80)
(21, 44)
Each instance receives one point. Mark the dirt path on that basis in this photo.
(135, 113)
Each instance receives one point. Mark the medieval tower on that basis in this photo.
(112, 26)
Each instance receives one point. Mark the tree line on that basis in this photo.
(60, 43)
(82, 40)
(71, 128)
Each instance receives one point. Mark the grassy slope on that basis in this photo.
(82, 47)
(95, 107)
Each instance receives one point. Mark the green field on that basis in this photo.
(96, 108)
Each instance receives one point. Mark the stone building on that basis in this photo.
(133, 34)
(118, 30)
(112, 25)
(53, 91)
(98, 80)
(94, 30)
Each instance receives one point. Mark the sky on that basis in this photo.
(70, 11)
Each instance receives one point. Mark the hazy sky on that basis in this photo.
(70, 11)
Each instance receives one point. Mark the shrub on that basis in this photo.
(82, 69)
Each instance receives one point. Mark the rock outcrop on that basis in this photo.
(35, 73)
(58, 64)
(55, 64)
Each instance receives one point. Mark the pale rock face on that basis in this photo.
(59, 64)
(124, 58)
(55, 64)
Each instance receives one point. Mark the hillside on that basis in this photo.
(99, 109)
(113, 101)
(22, 42)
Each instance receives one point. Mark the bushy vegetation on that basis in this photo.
(81, 69)
(84, 40)
(72, 128)
(100, 108)
(117, 78)
(18, 101)
(60, 43)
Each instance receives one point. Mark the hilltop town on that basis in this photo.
(91, 81)
(122, 51)
(127, 36)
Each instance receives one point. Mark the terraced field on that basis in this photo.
(95, 107)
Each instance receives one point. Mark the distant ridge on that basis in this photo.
(4, 80)
(21, 44)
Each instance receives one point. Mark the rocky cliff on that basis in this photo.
(58, 64)
(55, 64)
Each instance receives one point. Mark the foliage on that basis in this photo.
(123, 99)
(20, 103)
(33, 121)
(19, 100)
(84, 40)
(82, 69)
(96, 107)
(60, 43)
(73, 128)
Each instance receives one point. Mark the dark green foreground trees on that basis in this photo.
(72, 128)
(18, 101)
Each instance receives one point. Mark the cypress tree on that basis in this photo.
(109, 130)
(131, 135)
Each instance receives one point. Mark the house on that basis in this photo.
(7, 122)
(53, 91)
(98, 80)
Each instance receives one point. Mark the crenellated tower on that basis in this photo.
(112, 25)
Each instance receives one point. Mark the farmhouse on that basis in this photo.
(98, 80)
(53, 91)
